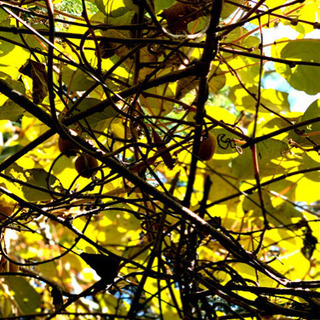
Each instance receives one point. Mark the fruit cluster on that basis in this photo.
(85, 164)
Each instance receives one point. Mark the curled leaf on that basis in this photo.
(309, 244)
(37, 72)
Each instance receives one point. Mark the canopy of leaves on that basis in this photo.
(196, 194)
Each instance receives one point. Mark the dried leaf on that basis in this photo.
(165, 154)
(309, 245)
(37, 72)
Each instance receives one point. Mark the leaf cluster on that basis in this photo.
(196, 196)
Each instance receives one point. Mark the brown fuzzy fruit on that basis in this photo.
(86, 165)
(67, 147)
(179, 14)
(208, 147)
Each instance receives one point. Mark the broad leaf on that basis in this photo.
(26, 297)
(302, 77)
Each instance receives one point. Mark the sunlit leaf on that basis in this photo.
(246, 99)
(38, 178)
(27, 298)
(229, 8)
(269, 156)
(301, 77)
(230, 233)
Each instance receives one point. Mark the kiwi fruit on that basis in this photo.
(86, 165)
(207, 147)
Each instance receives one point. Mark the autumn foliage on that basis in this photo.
(154, 161)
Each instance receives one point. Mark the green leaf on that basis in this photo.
(225, 141)
(38, 178)
(270, 154)
(49, 270)
(306, 13)
(252, 203)
(101, 5)
(275, 101)
(223, 184)
(308, 163)
(8, 151)
(280, 215)
(76, 80)
(3, 15)
(163, 4)
(5, 47)
(156, 105)
(27, 298)
(285, 212)
(97, 117)
(115, 9)
(310, 130)
(216, 79)
(10, 111)
(284, 187)
(270, 124)
(302, 77)
(306, 188)
(12, 57)
(130, 4)
(229, 8)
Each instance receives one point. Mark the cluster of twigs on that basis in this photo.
(201, 294)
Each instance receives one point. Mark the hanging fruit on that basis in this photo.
(86, 165)
(67, 147)
(208, 147)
